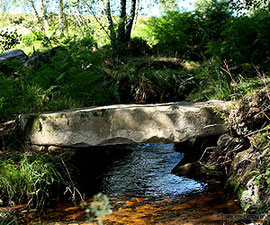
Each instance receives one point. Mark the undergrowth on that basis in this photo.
(217, 80)
(8, 218)
(33, 178)
(73, 78)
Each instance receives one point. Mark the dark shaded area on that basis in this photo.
(193, 149)
(44, 57)
(90, 163)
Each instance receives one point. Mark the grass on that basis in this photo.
(32, 177)
(7, 218)
(214, 81)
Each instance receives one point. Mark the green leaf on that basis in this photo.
(254, 172)
(259, 177)
(256, 182)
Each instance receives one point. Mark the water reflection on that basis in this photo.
(146, 172)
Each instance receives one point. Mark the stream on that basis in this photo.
(142, 190)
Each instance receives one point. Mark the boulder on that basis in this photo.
(124, 124)
(15, 55)
(198, 171)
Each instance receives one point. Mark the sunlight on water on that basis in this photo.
(146, 172)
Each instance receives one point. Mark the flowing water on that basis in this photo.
(142, 190)
(146, 172)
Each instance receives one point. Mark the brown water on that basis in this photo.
(142, 190)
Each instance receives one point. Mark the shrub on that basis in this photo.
(245, 40)
(29, 39)
(135, 47)
(149, 80)
(217, 81)
(188, 34)
(74, 77)
(176, 32)
(77, 73)
(99, 208)
(212, 83)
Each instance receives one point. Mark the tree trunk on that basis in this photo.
(136, 13)
(107, 10)
(122, 20)
(37, 15)
(61, 13)
(44, 15)
(130, 21)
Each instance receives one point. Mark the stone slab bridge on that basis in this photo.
(124, 124)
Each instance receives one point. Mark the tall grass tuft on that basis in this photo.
(33, 178)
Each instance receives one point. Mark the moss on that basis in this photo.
(62, 115)
(232, 185)
(181, 170)
(211, 167)
(43, 117)
(247, 202)
(33, 124)
(37, 126)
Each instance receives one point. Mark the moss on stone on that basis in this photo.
(37, 126)
(232, 185)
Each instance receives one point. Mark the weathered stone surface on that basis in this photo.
(124, 124)
(13, 55)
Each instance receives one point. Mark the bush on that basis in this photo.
(217, 81)
(149, 80)
(99, 208)
(7, 95)
(176, 33)
(187, 34)
(135, 47)
(77, 73)
(246, 39)
(212, 83)
(29, 39)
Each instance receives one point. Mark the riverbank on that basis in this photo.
(240, 160)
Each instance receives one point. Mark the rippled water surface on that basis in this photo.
(143, 191)
(146, 172)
